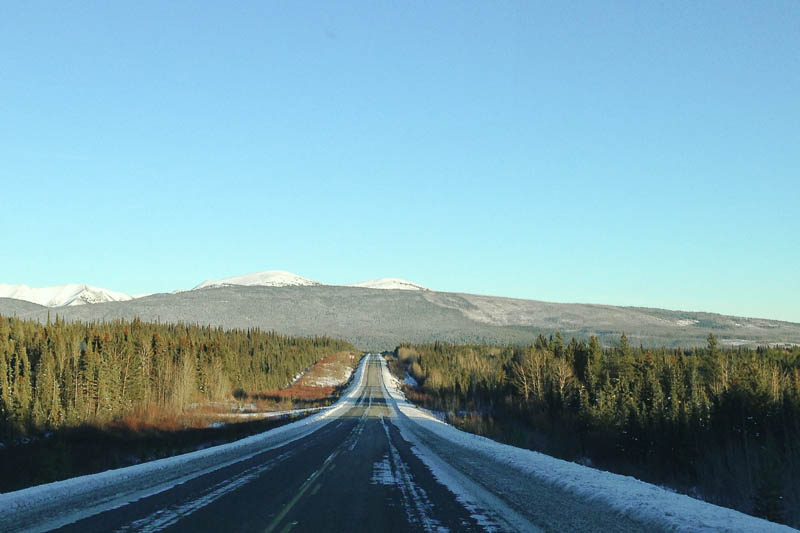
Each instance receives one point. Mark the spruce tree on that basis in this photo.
(23, 387)
(5, 394)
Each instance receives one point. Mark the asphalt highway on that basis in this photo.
(356, 473)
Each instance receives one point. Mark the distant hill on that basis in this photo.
(380, 319)
(13, 307)
(81, 293)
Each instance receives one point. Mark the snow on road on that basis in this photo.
(164, 518)
(394, 471)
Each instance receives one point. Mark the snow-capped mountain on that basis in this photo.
(390, 283)
(269, 278)
(282, 278)
(81, 293)
(60, 295)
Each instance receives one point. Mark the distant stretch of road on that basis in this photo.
(364, 466)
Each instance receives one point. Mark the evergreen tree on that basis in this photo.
(22, 385)
(5, 395)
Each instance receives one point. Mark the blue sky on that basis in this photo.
(628, 153)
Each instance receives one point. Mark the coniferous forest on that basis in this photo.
(65, 374)
(720, 424)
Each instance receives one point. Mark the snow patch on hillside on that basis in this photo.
(390, 284)
(60, 295)
(268, 278)
(332, 371)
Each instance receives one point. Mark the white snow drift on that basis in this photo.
(59, 295)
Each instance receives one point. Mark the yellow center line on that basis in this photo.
(328, 464)
(303, 488)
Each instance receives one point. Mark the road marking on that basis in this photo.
(303, 488)
(328, 464)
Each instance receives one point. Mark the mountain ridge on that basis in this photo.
(82, 293)
(62, 295)
(382, 319)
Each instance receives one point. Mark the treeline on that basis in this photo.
(720, 424)
(67, 374)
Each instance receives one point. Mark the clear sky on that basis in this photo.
(632, 153)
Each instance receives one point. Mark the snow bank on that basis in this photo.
(52, 505)
(271, 414)
(629, 496)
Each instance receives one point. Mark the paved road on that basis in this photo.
(354, 474)
(353, 468)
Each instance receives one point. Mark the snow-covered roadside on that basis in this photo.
(270, 414)
(628, 496)
(52, 505)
